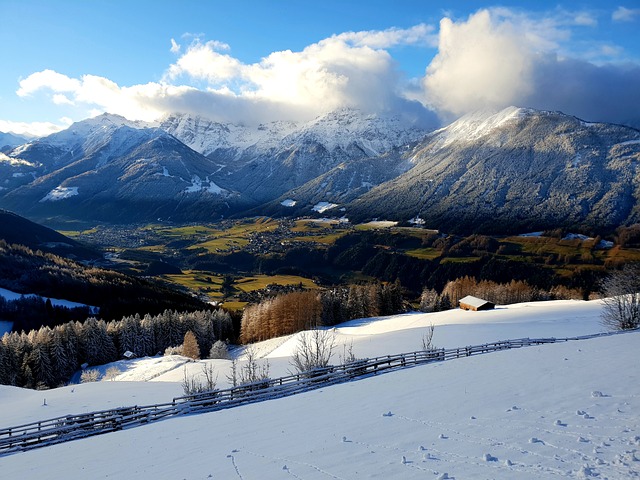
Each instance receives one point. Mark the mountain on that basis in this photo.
(110, 169)
(9, 140)
(489, 171)
(15, 229)
(515, 169)
(266, 161)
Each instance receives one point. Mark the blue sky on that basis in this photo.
(257, 61)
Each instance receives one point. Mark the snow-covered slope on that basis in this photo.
(267, 160)
(516, 169)
(566, 410)
(110, 169)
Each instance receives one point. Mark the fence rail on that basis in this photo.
(71, 427)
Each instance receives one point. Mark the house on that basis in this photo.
(475, 304)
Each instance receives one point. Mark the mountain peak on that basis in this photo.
(480, 123)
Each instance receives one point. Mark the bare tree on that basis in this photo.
(250, 371)
(427, 339)
(621, 289)
(192, 385)
(314, 350)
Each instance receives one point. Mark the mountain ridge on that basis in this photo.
(512, 168)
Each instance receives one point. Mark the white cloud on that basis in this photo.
(61, 99)
(175, 47)
(205, 62)
(480, 64)
(420, 34)
(47, 79)
(623, 14)
(492, 59)
(497, 58)
(35, 129)
(585, 19)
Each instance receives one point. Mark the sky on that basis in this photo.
(254, 61)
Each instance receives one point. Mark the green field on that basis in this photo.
(248, 284)
(210, 284)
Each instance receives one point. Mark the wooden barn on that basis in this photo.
(473, 303)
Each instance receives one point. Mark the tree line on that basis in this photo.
(115, 294)
(48, 357)
(515, 291)
(296, 311)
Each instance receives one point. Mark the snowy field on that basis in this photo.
(568, 410)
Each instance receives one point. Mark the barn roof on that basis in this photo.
(473, 301)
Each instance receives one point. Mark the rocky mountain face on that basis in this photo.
(9, 140)
(516, 169)
(266, 161)
(513, 170)
(106, 169)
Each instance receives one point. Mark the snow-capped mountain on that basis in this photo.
(493, 171)
(316, 147)
(10, 140)
(517, 168)
(110, 169)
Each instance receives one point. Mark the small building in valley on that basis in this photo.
(473, 303)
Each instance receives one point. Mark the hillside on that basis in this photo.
(567, 410)
(19, 230)
(28, 272)
(518, 169)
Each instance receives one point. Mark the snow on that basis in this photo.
(477, 124)
(576, 236)
(417, 221)
(10, 295)
(531, 234)
(288, 203)
(374, 134)
(566, 410)
(15, 162)
(197, 185)
(60, 193)
(629, 142)
(322, 207)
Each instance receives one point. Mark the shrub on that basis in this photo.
(89, 376)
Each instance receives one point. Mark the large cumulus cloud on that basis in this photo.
(352, 69)
(495, 59)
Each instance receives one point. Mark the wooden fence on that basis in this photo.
(71, 427)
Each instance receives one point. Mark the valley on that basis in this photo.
(252, 253)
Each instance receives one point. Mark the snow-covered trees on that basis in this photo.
(48, 357)
(621, 309)
(219, 350)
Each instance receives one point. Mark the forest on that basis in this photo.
(27, 271)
